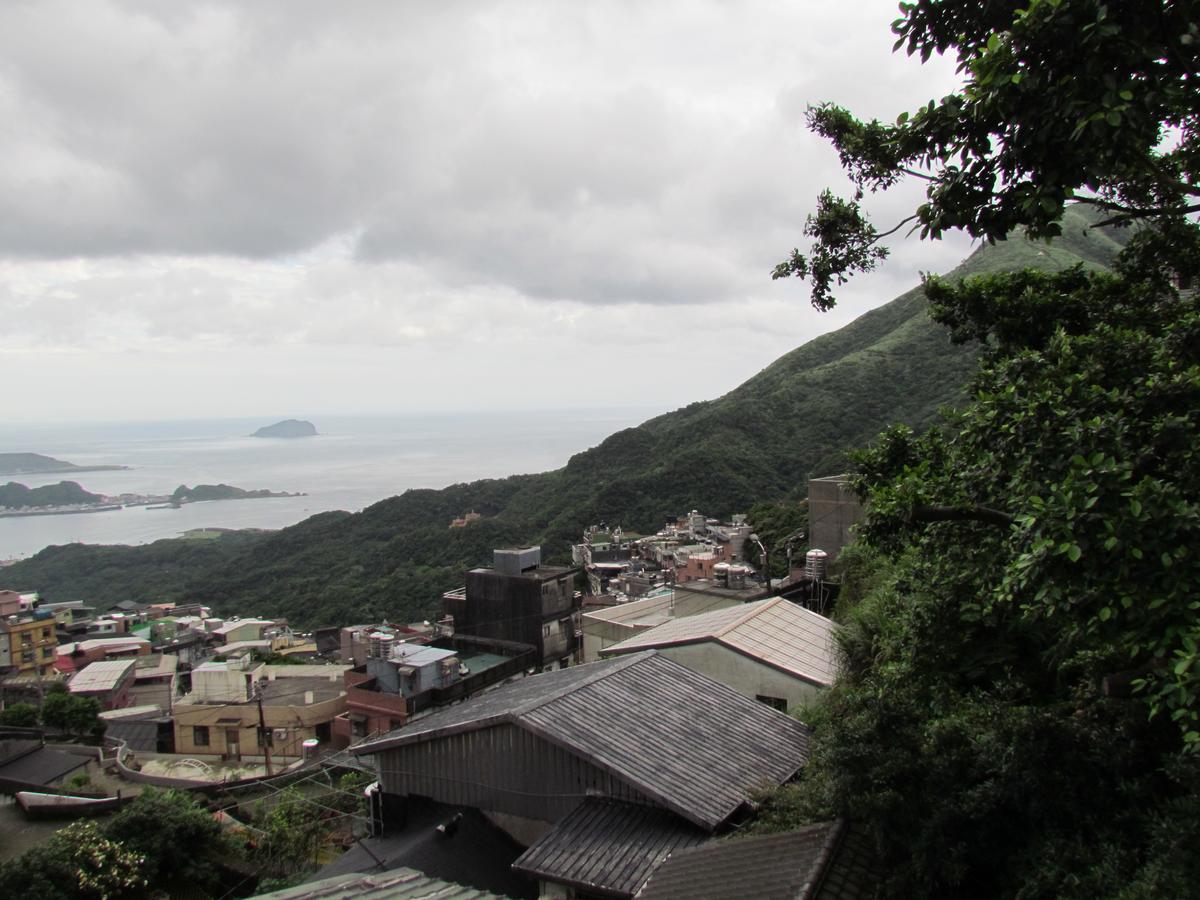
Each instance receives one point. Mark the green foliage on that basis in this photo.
(778, 525)
(160, 841)
(78, 716)
(19, 715)
(1018, 710)
(77, 862)
(14, 495)
(177, 837)
(292, 834)
(1065, 101)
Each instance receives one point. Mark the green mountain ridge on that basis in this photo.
(760, 442)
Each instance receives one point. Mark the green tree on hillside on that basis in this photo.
(1018, 711)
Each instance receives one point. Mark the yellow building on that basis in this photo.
(221, 717)
(27, 642)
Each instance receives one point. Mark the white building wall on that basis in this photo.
(746, 676)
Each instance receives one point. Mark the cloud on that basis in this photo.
(510, 185)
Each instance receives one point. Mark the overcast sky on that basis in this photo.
(296, 208)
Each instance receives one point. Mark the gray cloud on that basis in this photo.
(610, 153)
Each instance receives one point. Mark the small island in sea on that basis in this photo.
(37, 464)
(288, 428)
(15, 495)
(201, 492)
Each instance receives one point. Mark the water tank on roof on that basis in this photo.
(815, 562)
(737, 577)
(721, 575)
(380, 645)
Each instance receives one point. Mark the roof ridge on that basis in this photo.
(743, 619)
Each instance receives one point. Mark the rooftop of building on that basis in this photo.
(103, 675)
(295, 691)
(108, 644)
(538, 573)
(636, 717)
(776, 632)
(419, 655)
(825, 861)
(156, 665)
(608, 846)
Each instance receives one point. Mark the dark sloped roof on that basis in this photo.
(690, 743)
(398, 884)
(42, 766)
(826, 861)
(475, 852)
(609, 847)
(854, 870)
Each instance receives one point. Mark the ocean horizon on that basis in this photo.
(353, 462)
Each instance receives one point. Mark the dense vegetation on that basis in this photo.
(167, 844)
(1019, 712)
(14, 495)
(757, 444)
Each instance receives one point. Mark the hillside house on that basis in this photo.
(770, 650)
(221, 715)
(637, 745)
(520, 600)
(108, 681)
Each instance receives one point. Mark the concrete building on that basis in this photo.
(605, 627)
(222, 714)
(27, 639)
(832, 511)
(520, 600)
(770, 650)
(401, 681)
(76, 655)
(108, 681)
(155, 681)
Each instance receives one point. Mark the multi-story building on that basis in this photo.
(518, 599)
(238, 709)
(27, 638)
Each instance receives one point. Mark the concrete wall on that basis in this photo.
(747, 676)
(832, 510)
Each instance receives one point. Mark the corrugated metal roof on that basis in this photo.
(769, 867)
(103, 675)
(608, 846)
(398, 884)
(775, 631)
(692, 744)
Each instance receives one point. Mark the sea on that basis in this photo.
(352, 463)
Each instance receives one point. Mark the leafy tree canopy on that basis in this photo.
(1018, 714)
(1064, 101)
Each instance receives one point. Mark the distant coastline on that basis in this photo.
(38, 464)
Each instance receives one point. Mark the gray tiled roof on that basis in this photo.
(608, 846)
(692, 744)
(398, 884)
(774, 631)
(826, 861)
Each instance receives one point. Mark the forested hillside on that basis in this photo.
(758, 443)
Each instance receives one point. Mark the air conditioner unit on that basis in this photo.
(279, 734)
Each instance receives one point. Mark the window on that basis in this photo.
(200, 735)
(46, 634)
(778, 703)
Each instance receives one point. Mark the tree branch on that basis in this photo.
(924, 513)
(898, 226)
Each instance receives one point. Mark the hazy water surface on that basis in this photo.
(353, 463)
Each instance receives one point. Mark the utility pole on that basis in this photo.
(264, 736)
